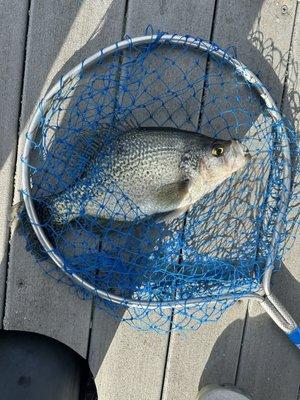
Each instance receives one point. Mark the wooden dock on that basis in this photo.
(41, 40)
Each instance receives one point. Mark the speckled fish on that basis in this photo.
(146, 172)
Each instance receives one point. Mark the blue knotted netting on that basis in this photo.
(217, 251)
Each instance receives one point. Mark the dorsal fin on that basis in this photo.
(89, 143)
(127, 123)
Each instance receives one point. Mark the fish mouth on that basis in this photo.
(246, 152)
(240, 148)
(247, 155)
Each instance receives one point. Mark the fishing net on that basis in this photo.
(166, 275)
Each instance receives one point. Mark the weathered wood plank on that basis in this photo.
(133, 366)
(248, 27)
(124, 361)
(193, 362)
(61, 34)
(261, 32)
(270, 364)
(170, 16)
(13, 16)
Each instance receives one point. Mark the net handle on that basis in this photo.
(281, 317)
(43, 105)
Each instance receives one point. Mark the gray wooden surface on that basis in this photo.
(278, 375)
(13, 29)
(69, 31)
(244, 347)
(262, 28)
(140, 362)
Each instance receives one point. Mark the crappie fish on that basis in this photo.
(145, 172)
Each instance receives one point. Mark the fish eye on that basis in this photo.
(217, 151)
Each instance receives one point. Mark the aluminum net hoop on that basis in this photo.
(202, 46)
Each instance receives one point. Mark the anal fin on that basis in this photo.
(168, 217)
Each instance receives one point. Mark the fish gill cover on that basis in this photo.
(215, 252)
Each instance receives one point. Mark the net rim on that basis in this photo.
(202, 45)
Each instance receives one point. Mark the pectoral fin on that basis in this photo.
(171, 195)
(89, 143)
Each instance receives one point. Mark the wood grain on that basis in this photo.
(262, 45)
(270, 364)
(141, 355)
(13, 29)
(61, 34)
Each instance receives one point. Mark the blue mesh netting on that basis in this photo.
(220, 246)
